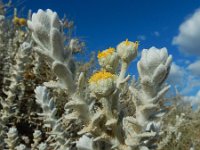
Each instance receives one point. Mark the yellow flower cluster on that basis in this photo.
(19, 21)
(101, 75)
(127, 43)
(105, 53)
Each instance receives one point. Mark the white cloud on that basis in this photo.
(193, 99)
(156, 33)
(188, 39)
(191, 83)
(183, 79)
(141, 37)
(195, 68)
(183, 61)
(176, 75)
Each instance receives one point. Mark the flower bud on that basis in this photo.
(151, 59)
(22, 22)
(108, 59)
(15, 20)
(127, 50)
(102, 83)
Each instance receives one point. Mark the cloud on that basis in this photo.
(188, 39)
(141, 37)
(193, 99)
(191, 84)
(156, 33)
(183, 79)
(176, 75)
(195, 68)
(183, 61)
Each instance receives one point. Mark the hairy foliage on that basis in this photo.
(48, 103)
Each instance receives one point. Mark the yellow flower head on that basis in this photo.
(127, 43)
(127, 50)
(101, 75)
(22, 21)
(19, 21)
(105, 53)
(15, 20)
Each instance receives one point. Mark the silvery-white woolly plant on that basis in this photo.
(49, 103)
(98, 112)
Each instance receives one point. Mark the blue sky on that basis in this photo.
(105, 23)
